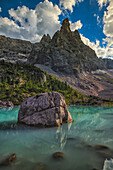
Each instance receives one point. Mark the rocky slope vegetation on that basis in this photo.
(19, 81)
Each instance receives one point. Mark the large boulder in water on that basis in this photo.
(46, 109)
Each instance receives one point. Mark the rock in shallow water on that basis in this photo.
(101, 147)
(41, 166)
(45, 110)
(58, 155)
(8, 160)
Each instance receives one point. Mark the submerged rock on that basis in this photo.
(101, 147)
(44, 110)
(41, 166)
(102, 150)
(8, 160)
(58, 155)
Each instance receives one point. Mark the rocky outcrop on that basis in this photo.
(6, 104)
(65, 53)
(45, 110)
(14, 49)
(108, 63)
(58, 155)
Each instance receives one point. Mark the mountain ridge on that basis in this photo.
(65, 53)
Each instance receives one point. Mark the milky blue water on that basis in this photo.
(92, 126)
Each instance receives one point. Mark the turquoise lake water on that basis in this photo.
(92, 126)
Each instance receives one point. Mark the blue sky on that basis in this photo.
(30, 19)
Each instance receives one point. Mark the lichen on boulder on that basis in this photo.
(46, 110)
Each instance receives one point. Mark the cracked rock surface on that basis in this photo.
(46, 110)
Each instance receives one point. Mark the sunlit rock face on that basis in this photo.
(46, 109)
(14, 50)
(65, 53)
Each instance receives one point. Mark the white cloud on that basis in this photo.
(0, 9)
(108, 27)
(48, 17)
(31, 24)
(98, 20)
(108, 20)
(103, 52)
(75, 26)
(102, 3)
(107, 49)
(69, 4)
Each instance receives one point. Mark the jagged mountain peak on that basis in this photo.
(65, 53)
(66, 36)
(65, 26)
(76, 34)
(45, 38)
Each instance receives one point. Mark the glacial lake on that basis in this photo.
(92, 126)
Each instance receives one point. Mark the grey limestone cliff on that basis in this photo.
(14, 49)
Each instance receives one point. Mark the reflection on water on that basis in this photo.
(92, 126)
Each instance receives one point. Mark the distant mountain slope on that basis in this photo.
(108, 63)
(96, 83)
(14, 49)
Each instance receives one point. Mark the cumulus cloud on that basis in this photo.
(108, 20)
(94, 46)
(108, 27)
(103, 52)
(31, 24)
(76, 25)
(107, 49)
(102, 3)
(48, 17)
(0, 9)
(69, 4)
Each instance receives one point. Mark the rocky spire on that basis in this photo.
(77, 35)
(65, 26)
(46, 38)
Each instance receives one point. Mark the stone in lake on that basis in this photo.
(44, 110)
(8, 160)
(58, 155)
(6, 104)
